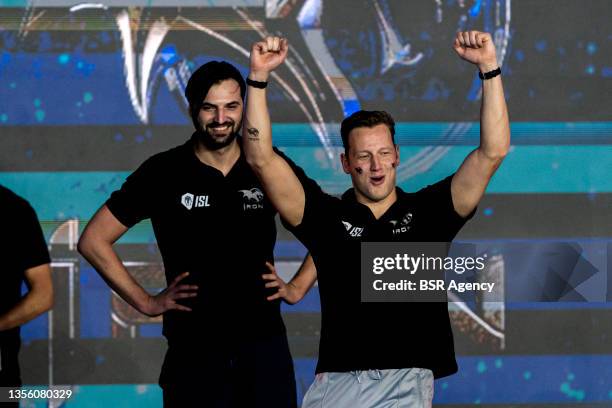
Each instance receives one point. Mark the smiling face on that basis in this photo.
(371, 160)
(220, 116)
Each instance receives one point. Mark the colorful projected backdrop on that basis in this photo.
(89, 90)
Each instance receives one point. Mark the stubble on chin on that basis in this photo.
(215, 143)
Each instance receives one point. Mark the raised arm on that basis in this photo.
(96, 245)
(470, 181)
(282, 186)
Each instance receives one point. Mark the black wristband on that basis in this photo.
(490, 74)
(256, 84)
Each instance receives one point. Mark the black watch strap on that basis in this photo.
(256, 84)
(490, 74)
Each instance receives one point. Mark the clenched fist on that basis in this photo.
(266, 55)
(478, 48)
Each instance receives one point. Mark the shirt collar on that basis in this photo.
(189, 152)
(350, 199)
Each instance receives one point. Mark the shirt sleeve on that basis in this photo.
(30, 242)
(438, 200)
(134, 201)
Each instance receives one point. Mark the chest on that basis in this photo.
(214, 201)
(408, 224)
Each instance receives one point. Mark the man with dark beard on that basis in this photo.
(216, 231)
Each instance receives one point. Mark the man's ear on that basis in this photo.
(397, 156)
(345, 163)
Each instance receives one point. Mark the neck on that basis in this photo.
(378, 208)
(222, 159)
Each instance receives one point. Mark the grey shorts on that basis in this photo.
(397, 388)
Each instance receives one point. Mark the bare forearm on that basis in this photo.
(38, 300)
(304, 278)
(32, 305)
(257, 140)
(104, 259)
(494, 122)
(278, 179)
(471, 179)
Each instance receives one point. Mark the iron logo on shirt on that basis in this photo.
(189, 201)
(352, 230)
(402, 225)
(253, 199)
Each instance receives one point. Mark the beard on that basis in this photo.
(212, 141)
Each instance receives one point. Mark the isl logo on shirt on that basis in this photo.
(189, 201)
(352, 230)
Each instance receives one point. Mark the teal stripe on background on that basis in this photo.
(64, 195)
(13, 3)
(459, 133)
(117, 396)
(527, 169)
(111, 395)
(523, 133)
(61, 196)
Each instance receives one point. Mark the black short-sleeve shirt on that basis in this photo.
(219, 228)
(362, 336)
(22, 246)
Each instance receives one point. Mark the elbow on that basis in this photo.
(86, 242)
(42, 299)
(86, 245)
(82, 245)
(254, 162)
(496, 154)
(48, 301)
(258, 157)
(257, 163)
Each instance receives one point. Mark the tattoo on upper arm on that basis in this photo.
(253, 133)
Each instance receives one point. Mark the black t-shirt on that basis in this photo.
(220, 229)
(22, 246)
(362, 336)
